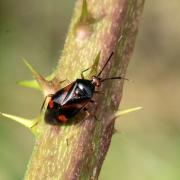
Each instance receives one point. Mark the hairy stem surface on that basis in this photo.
(77, 151)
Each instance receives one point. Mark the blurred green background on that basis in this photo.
(148, 145)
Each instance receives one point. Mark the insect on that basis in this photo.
(70, 100)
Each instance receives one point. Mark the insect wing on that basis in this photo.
(71, 109)
(61, 95)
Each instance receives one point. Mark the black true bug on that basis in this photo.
(68, 101)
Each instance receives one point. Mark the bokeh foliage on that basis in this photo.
(148, 145)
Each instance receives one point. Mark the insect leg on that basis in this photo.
(85, 109)
(96, 105)
(60, 82)
(82, 75)
(49, 95)
(99, 92)
(93, 102)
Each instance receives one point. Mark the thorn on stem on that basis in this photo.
(120, 113)
(29, 83)
(94, 68)
(47, 87)
(84, 12)
(126, 111)
(29, 123)
(83, 28)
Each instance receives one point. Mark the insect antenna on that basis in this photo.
(105, 64)
(119, 77)
(102, 80)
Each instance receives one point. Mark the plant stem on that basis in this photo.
(77, 151)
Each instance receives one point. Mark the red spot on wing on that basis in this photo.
(62, 118)
(51, 104)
